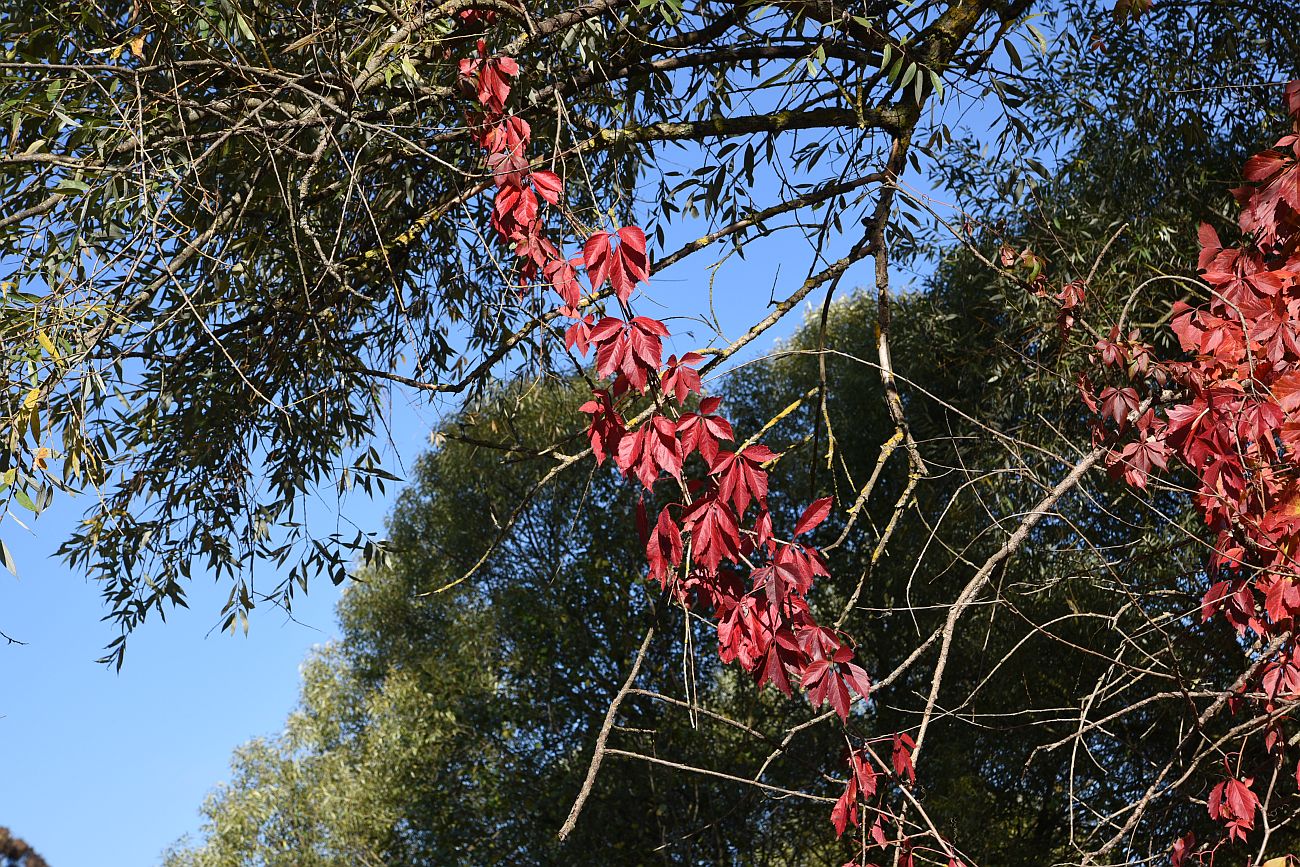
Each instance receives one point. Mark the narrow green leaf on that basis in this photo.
(24, 500)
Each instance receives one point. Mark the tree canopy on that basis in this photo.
(17, 853)
(228, 230)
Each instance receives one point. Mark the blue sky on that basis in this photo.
(108, 768)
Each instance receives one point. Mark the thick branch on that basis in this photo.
(889, 119)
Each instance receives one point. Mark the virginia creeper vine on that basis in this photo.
(1230, 416)
(712, 547)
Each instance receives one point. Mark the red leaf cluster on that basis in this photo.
(1234, 803)
(623, 265)
(862, 779)
(712, 545)
(1229, 413)
(631, 352)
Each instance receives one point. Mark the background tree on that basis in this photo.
(1144, 159)
(490, 694)
(454, 727)
(16, 852)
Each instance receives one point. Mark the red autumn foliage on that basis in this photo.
(713, 545)
(1229, 414)
(1234, 803)
(624, 265)
(862, 781)
(1234, 423)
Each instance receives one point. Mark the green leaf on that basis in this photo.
(242, 24)
(24, 500)
(1042, 40)
(936, 81)
(896, 68)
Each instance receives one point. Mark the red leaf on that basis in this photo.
(715, 532)
(548, 186)
(857, 678)
(813, 515)
(741, 478)
(578, 335)
(762, 528)
(630, 265)
(679, 380)
(1241, 800)
(1182, 848)
(1118, 403)
(650, 326)
(511, 135)
(642, 520)
(624, 267)
(634, 238)
(664, 548)
(1286, 391)
(596, 256)
(703, 433)
(774, 671)
(840, 699)
(1213, 599)
(605, 430)
(1263, 166)
(565, 280)
(507, 168)
(845, 809)
(864, 774)
(815, 671)
(903, 746)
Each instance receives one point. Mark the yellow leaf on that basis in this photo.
(32, 398)
(47, 344)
